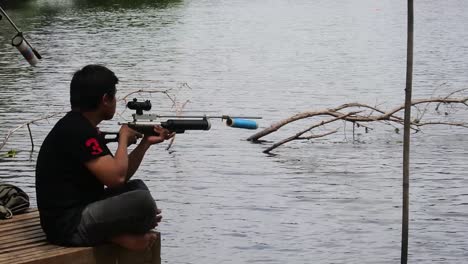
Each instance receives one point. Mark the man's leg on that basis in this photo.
(131, 185)
(125, 217)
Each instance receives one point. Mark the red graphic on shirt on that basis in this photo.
(94, 144)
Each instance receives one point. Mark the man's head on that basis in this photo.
(91, 87)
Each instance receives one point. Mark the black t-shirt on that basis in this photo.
(64, 186)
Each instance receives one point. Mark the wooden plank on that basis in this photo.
(32, 250)
(77, 257)
(35, 251)
(17, 241)
(53, 255)
(23, 219)
(108, 254)
(16, 218)
(24, 242)
(20, 242)
(23, 231)
(45, 250)
(13, 225)
(23, 247)
(26, 254)
(29, 212)
(20, 223)
(24, 238)
(102, 255)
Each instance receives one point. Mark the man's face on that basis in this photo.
(110, 107)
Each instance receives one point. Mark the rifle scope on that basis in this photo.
(139, 107)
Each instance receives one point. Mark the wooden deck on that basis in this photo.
(23, 241)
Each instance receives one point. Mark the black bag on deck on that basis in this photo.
(13, 201)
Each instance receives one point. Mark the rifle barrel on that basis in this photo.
(154, 116)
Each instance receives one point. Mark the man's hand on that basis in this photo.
(161, 135)
(129, 135)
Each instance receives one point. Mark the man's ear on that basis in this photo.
(106, 99)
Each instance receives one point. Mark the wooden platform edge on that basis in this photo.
(30, 247)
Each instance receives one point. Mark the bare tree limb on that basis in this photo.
(297, 135)
(366, 114)
(178, 112)
(5, 140)
(449, 95)
(318, 136)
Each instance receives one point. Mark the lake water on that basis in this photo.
(330, 200)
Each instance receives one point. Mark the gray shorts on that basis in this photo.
(129, 209)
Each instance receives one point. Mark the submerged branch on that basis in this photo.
(364, 114)
(5, 140)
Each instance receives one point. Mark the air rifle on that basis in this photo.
(144, 123)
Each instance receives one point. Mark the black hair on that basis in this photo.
(89, 84)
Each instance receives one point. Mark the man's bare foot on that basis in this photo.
(135, 242)
(158, 218)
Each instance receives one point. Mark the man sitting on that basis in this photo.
(84, 192)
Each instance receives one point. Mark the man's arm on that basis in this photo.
(135, 158)
(115, 171)
(112, 171)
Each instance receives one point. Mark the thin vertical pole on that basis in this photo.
(19, 32)
(9, 20)
(406, 136)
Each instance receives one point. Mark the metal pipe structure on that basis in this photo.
(21, 43)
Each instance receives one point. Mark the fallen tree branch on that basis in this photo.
(298, 135)
(178, 113)
(5, 140)
(366, 114)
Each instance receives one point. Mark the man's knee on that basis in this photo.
(136, 185)
(143, 201)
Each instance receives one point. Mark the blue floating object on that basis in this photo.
(241, 123)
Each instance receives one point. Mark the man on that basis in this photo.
(84, 193)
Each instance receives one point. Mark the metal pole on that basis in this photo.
(9, 20)
(406, 136)
(20, 33)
